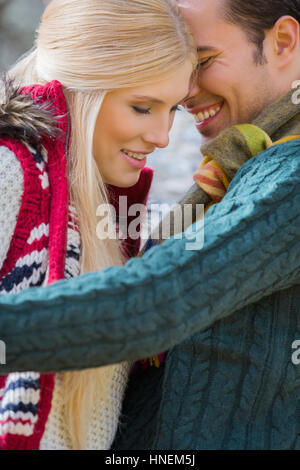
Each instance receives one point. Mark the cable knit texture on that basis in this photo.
(228, 313)
(270, 186)
(170, 294)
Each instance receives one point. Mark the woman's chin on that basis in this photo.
(125, 181)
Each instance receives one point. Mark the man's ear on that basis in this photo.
(286, 34)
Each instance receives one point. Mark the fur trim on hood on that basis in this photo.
(24, 119)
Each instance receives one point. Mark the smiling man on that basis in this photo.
(248, 57)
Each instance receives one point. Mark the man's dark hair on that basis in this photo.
(257, 16)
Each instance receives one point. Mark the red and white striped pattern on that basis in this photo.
(37, 255)
(212, 179)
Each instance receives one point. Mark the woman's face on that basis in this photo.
(134, 121)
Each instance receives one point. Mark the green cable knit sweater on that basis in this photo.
(227, 313)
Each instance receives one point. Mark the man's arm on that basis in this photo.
(251, 249)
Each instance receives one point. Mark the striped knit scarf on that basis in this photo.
(222, 158)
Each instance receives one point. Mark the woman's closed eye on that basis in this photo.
(204, 62)
(141, 110)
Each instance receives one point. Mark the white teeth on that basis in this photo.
(137, 156)
(200, 117)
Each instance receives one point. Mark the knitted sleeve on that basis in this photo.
(251, 249)
(11, 191)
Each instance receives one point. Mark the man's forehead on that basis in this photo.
(202, 11)
(205, 20)
(193, 4)
(198, 5)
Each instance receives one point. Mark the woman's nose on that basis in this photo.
(158, 136)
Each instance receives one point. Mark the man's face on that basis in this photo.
(230, 87)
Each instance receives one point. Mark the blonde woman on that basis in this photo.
(113, 73)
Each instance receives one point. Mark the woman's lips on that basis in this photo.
(133, 162)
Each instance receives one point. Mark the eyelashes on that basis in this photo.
(139, 110)
(203, 63)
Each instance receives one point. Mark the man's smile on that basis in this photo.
(205, 115)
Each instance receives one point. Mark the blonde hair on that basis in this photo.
(93, 47)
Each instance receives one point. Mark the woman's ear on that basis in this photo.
(286, 32)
